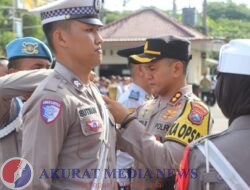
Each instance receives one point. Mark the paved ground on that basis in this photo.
(220, 122)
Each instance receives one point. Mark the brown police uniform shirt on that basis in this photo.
(234, 145)
(12, 86)
(158, 145)
(63, 130)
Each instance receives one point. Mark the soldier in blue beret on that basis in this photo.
(27, 53)
(15, 87)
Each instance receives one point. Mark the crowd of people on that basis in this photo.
(114, 86)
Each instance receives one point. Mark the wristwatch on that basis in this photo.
(127, 120)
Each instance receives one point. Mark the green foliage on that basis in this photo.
(31, 23)
(5, 38)
(110, 16)
(6, 3)
(32, 26)
(6, 33)
(228, 10)
(229, 29)
(228, 20)
(225, 20)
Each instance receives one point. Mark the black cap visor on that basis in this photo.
(93, 21)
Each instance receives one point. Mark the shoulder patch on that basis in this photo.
(134, 95)
(190, 125)
(197, 113)
(50, 110)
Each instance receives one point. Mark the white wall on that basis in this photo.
(194, 68)
(113, 59)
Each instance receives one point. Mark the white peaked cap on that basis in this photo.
(86, 11)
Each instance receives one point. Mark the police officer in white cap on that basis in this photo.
(67, 127)
(221, 161)
(138, 94)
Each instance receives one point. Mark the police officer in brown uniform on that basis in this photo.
(66, 127)
(221, 161)
(23, 54)
(168, 123)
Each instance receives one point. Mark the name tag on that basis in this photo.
(87, 111)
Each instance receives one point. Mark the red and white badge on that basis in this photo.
(94, 125)
(197, 114)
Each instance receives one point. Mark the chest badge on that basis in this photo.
(94, 125)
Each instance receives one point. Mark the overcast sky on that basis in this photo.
(117, 5)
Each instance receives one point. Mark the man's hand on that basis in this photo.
(118, 111)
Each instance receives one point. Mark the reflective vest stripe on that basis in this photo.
(222, 166)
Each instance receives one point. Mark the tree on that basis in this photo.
(32, 26)
(228, 20)
(6, 33)
(228, 10)
(111, 16)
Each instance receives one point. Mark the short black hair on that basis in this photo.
(49, 28)
(184, 63)
(14, 63)
(185, 66)
(53, 64)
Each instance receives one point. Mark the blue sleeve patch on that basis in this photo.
(50, 110)
(134, 95)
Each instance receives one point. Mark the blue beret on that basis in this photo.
(27, 47)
